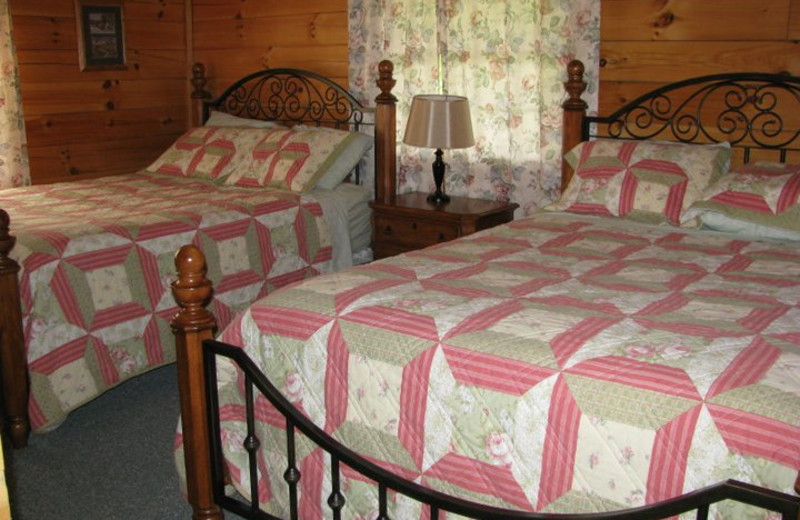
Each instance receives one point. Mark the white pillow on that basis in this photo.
(347, 160)
(217, 118)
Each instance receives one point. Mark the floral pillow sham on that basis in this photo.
(205, 152)
(357, 145)
(296, 159)
(276, 157)
(647, 181)
(759, 199)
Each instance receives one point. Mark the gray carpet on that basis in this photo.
(111, 459)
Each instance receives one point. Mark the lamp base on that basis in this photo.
(438, 196)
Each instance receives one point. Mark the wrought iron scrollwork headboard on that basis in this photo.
(291, 97)
(751, 111)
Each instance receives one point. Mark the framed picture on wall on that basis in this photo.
(101, 34)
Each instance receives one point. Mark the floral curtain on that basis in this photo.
(14, 170)
(508, 57)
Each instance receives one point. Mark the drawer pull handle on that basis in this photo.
(441, 237)
(387, 230)
(414, 226)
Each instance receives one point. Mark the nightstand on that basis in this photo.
(413, 223)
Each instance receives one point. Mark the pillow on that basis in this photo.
(759, 199)
(640, 180)
(217, 118)
(295, 159)
(346, 161)
(204, 152)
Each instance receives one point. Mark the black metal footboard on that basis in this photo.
(786, 505)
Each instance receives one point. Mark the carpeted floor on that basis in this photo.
(111, 459)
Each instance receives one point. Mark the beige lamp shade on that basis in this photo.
(439, 122)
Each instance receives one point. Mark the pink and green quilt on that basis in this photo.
(97, 260)
(561, 363)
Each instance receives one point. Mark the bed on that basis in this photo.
(267, 182)
(631, 351)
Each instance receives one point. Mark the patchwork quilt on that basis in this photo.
(560, 363)
(97, 259)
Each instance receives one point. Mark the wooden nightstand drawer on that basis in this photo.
(411, 222)
(413, 232)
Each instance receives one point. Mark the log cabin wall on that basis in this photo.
(83, 124)
(646, 43)
(233, 37)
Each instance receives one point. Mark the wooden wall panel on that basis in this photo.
(663, 62)
(794, 21)
(233, 38)
(680, 20)
(37, 66)
(83, 124)
(91, 123)
(223, 9)
(652, 42)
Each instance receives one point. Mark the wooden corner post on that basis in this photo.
(199, 94)
(386, 135)
(12, 341)
(192, 325)
(574, 112)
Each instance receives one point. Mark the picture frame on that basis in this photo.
(101, 34)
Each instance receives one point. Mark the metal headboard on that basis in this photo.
(293, 96)
(749, 110)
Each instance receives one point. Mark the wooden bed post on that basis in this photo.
(574, 112)
(192, 324)
(386, 134)
(12, 341)
(199, 94)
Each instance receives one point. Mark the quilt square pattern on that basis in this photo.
(203, 152)
(645, 181)
(97, 259)
(593, 366)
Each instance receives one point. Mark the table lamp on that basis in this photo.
(439, 121)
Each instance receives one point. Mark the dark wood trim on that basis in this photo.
(12, 342)
(386, 132)
(199, 94)
(574, 112)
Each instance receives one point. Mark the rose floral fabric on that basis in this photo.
(764, 188)
(760, 199)
(559, 363)
(206, 153)
(292, 159)
(14, 167)
(641, 180)
(97, 258)
(279, 157)
(508, 58)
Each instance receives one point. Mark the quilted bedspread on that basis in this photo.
(97, 259)
(559, 363)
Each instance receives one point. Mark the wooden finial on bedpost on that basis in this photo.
(574, 112)
(386, 136)
(12, 341)
(199, 93)
(192, 325)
